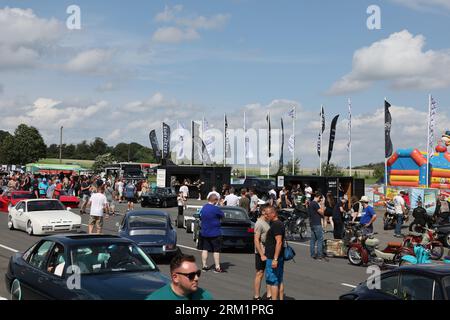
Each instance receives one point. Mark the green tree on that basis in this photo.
(378, 172)
(83, 151)
(26, 146)
(101, 161)
(331, 170)
(288, 167)
(98, 147)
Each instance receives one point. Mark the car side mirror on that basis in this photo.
(20, 210)
(196, 215)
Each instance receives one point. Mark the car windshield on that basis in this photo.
(235, 214)
(163, 191)
(45, 205)
(108, 258)
(23, 196)
(147, 222)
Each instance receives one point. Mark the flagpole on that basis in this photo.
(385, 159)
(224, 142)
(178, 128)
(192, 142)
(293, 149)
(428, 140)
(203, 140)
(245, 148)
(321, 146)
(350, 136)
(268, 146)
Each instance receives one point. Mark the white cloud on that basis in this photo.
(168, 14)
(156, 101)
(174, 35)
(424, 4)
(185, 28)
(399, 59)
(114, 135)
(24, 37)
(90, 62)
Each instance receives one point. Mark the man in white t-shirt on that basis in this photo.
(308, 191)
(399, 204)
(185, 190)
(232, 200)
(213, 191)
(98, 203)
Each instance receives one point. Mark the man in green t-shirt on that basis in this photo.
(184, 286)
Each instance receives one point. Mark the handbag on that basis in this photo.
(289, 252)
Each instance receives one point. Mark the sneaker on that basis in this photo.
(314, 257)
(218, 270)
(398, 235)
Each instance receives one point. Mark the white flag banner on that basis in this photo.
(291, 143)
(180, 145)
(208, 139)
(349, 143)
(248, 148)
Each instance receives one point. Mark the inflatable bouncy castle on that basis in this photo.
(408, 167)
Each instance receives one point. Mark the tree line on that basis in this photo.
(26, 145)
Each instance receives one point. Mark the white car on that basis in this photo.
(42, 216)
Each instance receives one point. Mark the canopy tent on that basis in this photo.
(53, 168)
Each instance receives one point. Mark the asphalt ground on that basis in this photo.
(305, 279)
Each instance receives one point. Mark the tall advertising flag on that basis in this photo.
(332, 138)
(281, 161)
(197, 144)
(155, 145)
(180, 149)
(432, 111)
(270, 134)
(388, 148)
(319, 140)
(166, 141)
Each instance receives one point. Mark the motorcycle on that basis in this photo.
(339, 247)
(422, 255)
(390, 217)
(294, 221)
(365, 250)
(428, 239)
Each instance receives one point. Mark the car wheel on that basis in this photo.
(16, 290)
(10, 223)
(30, 228)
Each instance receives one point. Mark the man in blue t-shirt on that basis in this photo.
(368, 215)
(210, 232)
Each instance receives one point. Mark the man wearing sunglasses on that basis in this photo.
(184, 286)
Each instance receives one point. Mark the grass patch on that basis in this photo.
(83, 163)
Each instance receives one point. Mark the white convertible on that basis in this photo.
(42, 216)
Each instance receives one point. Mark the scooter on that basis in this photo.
(428, 239)
(390, 217)
(365, 251)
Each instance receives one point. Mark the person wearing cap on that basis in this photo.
(368, 215)
(43, 186)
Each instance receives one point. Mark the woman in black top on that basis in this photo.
(329, 206)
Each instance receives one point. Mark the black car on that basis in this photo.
(414, 282)
(150, 230)
(443, 233)
(260, 186)
(237, 229)
(160, 197)
(83, 267)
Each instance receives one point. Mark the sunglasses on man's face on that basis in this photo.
(191, 276)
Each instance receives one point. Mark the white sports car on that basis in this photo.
(42, 216)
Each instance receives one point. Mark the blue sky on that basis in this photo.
(206, 58)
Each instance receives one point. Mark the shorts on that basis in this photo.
(96, 221)
(274, 277)
(259, 264)
(210, 244)
(86, 197)
(129, 199)
(120, 193)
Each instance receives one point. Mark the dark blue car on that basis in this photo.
(151, 230)
(414, 282)
(83, 267)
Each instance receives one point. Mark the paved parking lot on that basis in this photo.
(304, 279)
